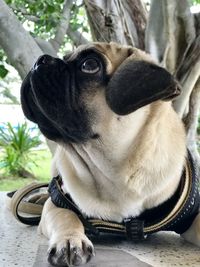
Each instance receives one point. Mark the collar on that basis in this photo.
(175, 214)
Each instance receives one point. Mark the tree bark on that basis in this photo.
(170, 30)
(119, 21)
(188, 73)
(170, 38)
(191, 123)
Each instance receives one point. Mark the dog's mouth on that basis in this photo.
(51, 99)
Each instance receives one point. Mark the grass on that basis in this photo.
(41, 172)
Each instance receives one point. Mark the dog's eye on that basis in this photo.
(90, 65)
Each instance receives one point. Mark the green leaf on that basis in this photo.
(3, 71)
(50, 8)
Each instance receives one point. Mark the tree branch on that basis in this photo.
(138, 15)
(62, 26)
(191, 122)
(19, 46)
(197, 23)
(7, 94)
(188, 73)
(24, 12)
(46, 47)
(193, 114)
(76, 37)
(169, 31)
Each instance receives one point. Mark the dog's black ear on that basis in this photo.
(138, 83)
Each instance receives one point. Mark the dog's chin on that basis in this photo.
(51, 103)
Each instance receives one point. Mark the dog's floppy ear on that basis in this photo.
(138, 83)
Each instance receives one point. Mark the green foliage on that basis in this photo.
(195, 2)
(3, 70)
(17, 146)
(43, 14)
(77, 19)
(198, 128)
(41, 170)
(42, 17)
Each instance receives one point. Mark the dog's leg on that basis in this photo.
(68, 245)
(192, 235)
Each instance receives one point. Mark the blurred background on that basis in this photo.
(168, 30)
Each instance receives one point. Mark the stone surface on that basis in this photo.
(104, 257)
(21, 246)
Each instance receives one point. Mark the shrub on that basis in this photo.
(17, 146)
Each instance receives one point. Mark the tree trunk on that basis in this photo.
(119, 21)
(170, 30)
(171, 40)
(187, 74)
(191, 123)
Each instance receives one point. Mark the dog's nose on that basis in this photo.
(44, 60)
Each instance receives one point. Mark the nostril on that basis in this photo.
(43, 60)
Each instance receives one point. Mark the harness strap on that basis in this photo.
(137, 228)
(132, 228)
(64, 201)
(180, 209)
(18, 203)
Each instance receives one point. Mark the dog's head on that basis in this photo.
(64, 97)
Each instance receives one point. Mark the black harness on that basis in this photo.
(175, 214)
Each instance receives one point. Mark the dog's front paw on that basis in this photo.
(72, 250)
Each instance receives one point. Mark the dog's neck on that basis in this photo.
(140, 140)
(144, 165)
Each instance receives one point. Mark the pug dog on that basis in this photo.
(121, 148)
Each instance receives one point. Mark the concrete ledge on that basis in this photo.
(19, 246)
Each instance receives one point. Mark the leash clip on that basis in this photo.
(134, 229)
